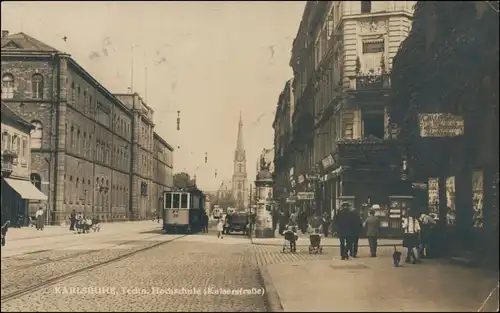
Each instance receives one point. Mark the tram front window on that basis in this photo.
(176, 201)
(168, 201)
(184, 201)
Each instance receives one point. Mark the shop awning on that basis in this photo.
(25, 189)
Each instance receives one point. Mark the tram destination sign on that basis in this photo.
(440, 125)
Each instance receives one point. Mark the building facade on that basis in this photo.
(454, 153)
(17, 189)
(283, 161)
(89, 146)
(341, 59)
(162, 172)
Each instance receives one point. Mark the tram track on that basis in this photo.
(68, 257)
(24, 291)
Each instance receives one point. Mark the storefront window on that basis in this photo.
(450, 200)
(477, 198)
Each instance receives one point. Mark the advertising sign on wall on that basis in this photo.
(440, 125)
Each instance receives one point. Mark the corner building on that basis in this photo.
(84, 150)
(342, 58)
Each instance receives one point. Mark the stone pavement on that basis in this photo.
(373, 284)
(149, 280)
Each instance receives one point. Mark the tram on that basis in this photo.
(183, 211)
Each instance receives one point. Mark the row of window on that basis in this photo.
(8, 86)
(119, 124)
(80, 143)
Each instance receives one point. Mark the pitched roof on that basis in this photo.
(9, 115)
(24, 42)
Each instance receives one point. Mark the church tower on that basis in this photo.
(240, 182)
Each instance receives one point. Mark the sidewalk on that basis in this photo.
(373, 284)
(327, 242)
(23, 233)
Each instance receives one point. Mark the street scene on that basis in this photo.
(307, 156)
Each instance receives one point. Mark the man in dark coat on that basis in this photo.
(205, 223)
(358, 229)
(72, 219)
(346, 223)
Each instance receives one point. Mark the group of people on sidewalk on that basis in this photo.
(348, 226)
(83, 224)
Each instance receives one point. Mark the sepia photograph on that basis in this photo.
(249, 156)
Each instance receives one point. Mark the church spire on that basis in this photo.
(239, 143)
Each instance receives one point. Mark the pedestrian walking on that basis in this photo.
(357, 225)
(325, 224)
(426, 235)
(411, 229)
(372, 226)
(5, 227)
(220, 228)
(39, 219)
(72, 220)
(345, 223)
(205, 223)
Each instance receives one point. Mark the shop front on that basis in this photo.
(16, 195)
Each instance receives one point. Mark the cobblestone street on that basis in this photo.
(142, 282)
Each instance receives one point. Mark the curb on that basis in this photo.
(273, 301)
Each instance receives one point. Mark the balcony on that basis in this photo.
(373, 82)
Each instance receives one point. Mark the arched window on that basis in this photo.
(37, 86)
(73, 92)
(78, 141)
(36, 134)
(84, 144)
(77, 186)
(71, 188)
(36, 180)
(7, 86)
(71, 137)
(240, 168)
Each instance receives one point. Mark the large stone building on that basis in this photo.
(90, 142)
(17, 190)
(341, 58)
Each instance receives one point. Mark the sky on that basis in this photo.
(209, 60)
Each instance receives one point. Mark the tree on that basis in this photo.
(181, 180)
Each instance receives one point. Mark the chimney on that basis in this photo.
(5, 33)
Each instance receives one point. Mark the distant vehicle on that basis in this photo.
(238, 221)
(183, 211)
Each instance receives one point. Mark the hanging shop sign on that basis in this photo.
(301, 179)
(305, 196)
(440, 125)
(328, 162)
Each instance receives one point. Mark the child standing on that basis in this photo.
(220, 228)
